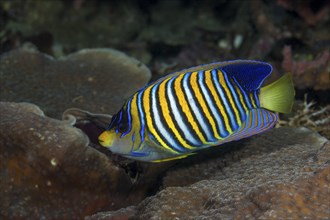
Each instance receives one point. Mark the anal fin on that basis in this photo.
(257, 121)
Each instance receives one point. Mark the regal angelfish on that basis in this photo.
(197, 108)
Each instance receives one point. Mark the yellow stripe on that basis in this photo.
(230, 97)
(166, 114)
(184, 105)
(134, 111)
(241, 98)
(199, 96)
(252, 100)
(146, 105)
(136, 126)
(210, 85)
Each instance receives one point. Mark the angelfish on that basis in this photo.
(197, 108)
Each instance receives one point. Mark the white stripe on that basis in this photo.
(223, 98)
(178, 118)
(141, 113)
(233, 92)
(158, 122)
(220, 122)
(196, 111)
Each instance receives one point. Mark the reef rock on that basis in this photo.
(308, 74)
(98, 80)
(48, 171)
(281, 174)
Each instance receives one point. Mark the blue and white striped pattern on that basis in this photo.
(192, 110)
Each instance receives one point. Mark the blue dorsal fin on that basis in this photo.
(249, 74)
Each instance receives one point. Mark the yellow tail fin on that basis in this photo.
(279, 95)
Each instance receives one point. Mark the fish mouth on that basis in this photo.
(102, 143)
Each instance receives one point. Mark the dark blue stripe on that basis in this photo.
(128, 112)
(170, 140)
(224, 99)
(183, 117)
(210, 100)
(141, 114)
(203, 122)
(235, 95)
(244, 94)
(118, 121)
(139, 154)
(113, 120)
(256, 98)
(259, 120)
(190, 109)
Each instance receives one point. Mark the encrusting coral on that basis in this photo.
(306, 115)
(308, 73)
(99, 80)
(304, 9)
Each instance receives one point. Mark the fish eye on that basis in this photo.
(116, 120)
(123, 124)
(122, 127)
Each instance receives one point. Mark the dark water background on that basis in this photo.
(292, 35)
(169, 35)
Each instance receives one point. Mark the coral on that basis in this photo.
(314, 73)
(306, 115)
(99, 80)
(52, 169)
(304, 9)
(50, 161)
(48, 170)
(47, 161)
(281, 174)
(307, 197)
(275, 26)
(121, 214)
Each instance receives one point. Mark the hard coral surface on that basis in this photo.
(308, 73)
(48, 170)
(95, 79)
(281, 174)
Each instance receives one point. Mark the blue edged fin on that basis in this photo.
(257, 121)
(249, 74)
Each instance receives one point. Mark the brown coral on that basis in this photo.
(99, 80)
(306, 115)
(47, 161)
(282, 174)
(48, 170)
(304, 9)
(308, 74)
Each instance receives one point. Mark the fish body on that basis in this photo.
(197, 108)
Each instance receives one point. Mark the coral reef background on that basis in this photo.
(52, 168)
(169, 35)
